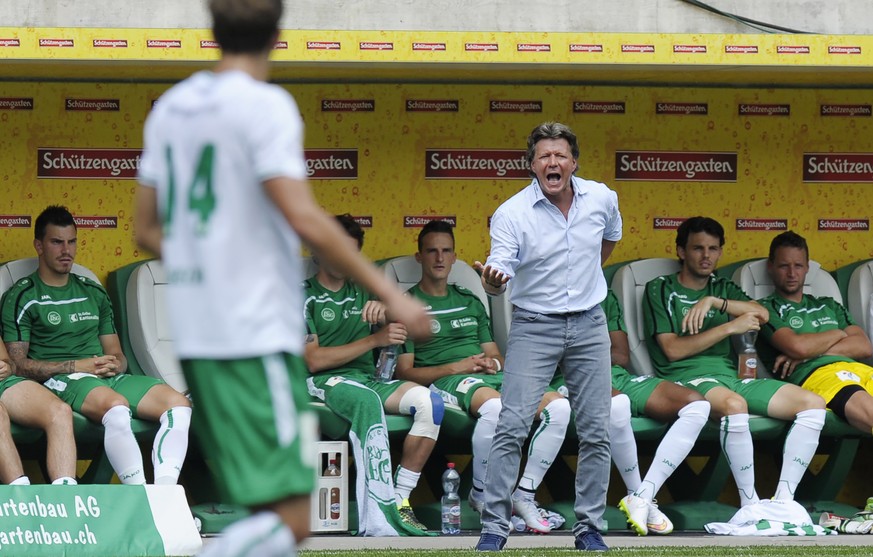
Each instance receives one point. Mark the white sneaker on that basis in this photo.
(658, 523)
(527, 510)
(636, 509)
(476, 504)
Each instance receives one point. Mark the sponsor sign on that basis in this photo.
(785, 49)
(740, 49)
(765, 225)
(367, 45)
(576, 47)
(280, 45)
(92, 105)
(9, 42)
(846, 110)
(837, 49)
(675, 166)
(422, 105)
(96, 222)
(411, 221)
(844, 225)
(689, 49)
(109, 43)
(331, 164)
(364, 221)
(476, 164)
(533, 47)
(96, 520)
(65, 43)
(348, 105)
(428, 46)
(480, 47)
(209, 44)
(683, 109)
(515, 106)
(87, 164)
(764, 109)
(599, 107)
(163, 43)
(667, 223)
(638, 48)
(838, 167)
(16, 103)
(323, 45)
(14, 221)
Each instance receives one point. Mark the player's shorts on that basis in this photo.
(830, 379)
(756, 392)
(252, 417)
(9, 382)
(459, 389)
(321, 383)
(73, 388)
(638, 388)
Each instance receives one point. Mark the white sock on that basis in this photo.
(121, 446)
(674, 447)
(20, 480)
(483, 435)
(799, 448)
(736, 442)
(404, 482)
(622, 444)
(545, 443)
(65, 480)
(171, 445)
(261, 534)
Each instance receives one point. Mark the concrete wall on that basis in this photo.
(628, 16)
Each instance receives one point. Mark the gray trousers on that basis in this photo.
(537, 344)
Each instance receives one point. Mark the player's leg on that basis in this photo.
(32, 405)
(846, 388)
(156, 401)
(485, 406)
(11, 469)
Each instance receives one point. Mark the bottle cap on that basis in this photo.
(451, 464)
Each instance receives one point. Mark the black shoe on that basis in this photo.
(590, 541)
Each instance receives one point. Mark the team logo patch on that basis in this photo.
(435, 326)
(700, 381)
(328, 314)
(562, 390)
(848, 376)
(54, 318)
(796, 322)
(466, 384)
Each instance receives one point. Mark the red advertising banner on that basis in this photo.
(481, 47)
(641, 48)
(764, 109)
(424, 105)
(838, 49)
(92, 105)
(515, 106)
(682, 109)
(844, 225)
(96, 222)
(109, 43)
(475, 164)
(412, 221)
(348, 105)
(667, 223)
(586, 47)
(87, 164)
(838, 167)
(689, 49)
(10, 42)
(740, 49)
(364, 221)
(428, 46)
(675, 166)
(15, 221)
(762, 225)
(846, 110)
(367, 45)
(331, 164)
(16, 103)
(163, 43)
(533, 47)
(323, 45)
(599, 107)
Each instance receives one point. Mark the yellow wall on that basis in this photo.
(391, 145)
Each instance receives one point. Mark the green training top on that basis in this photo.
(665, 303)
(336, 318)
(459, 326)
(60, 322)
(811, 315)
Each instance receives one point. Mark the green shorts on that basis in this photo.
(757, 392)
(10, 381)
(459, 389)
(322, 382)
(73, 388)
(250, 415)
(638, 388)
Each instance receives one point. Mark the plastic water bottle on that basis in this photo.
(387, 362)
(747, 361)
(450, 504)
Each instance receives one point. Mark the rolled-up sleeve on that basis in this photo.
(504, 244)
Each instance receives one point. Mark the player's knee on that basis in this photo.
(59, 413)
(811, 401)
(558, 411)
(426, 409)
(620, 411)
(735, 404)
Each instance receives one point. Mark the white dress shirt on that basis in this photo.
(554, 263)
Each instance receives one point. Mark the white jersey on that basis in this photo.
(232, 261)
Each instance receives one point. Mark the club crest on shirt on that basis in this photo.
(328, 314)
(435, 326)
(54, 318)
(795, 322)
